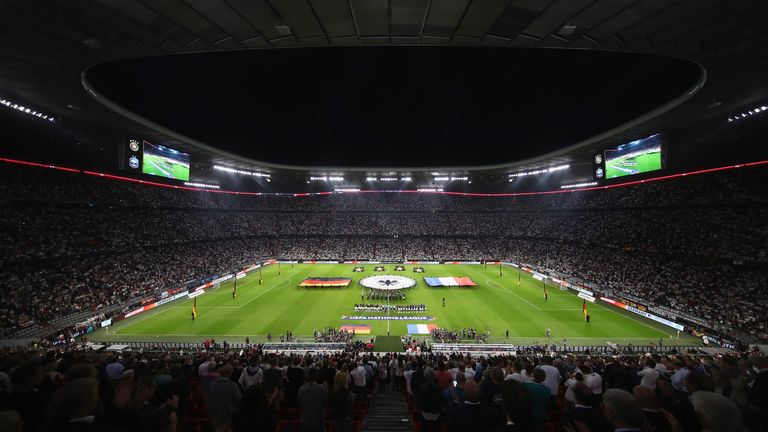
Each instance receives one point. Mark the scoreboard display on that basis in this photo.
(142, 156)
(636, 157)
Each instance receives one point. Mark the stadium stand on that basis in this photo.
(61, 229)
(220, 389)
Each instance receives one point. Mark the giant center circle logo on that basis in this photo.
(387, 282)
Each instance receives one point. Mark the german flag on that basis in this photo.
(194, 308)
(584, 309)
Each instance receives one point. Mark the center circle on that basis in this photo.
(387, 282)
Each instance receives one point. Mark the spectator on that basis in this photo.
(455, 393)
(716, 413)
(341, 403)
(539, 395)
(622, 410)
(552, 380)
(73, 407)
(223, 399)
(649, 375)
(312, 397)
(584, 411)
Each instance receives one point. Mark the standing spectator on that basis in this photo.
(650, 403)
(679, 378)
(584, 411)
(115, 368)
(539, 395)
(622, 410)
(442, 376)
(649, 375)
(251, 376)
(73, 406)
(552, 375)
(295, 377)
(223, 399)
(594, 381)
(358, 378)
(470, 415)
(758, 396)
(717, 413)
(341, 403)
(430, 402)
(312, 398)
(516, 406)
(256, 413)
(569, 384)
(455, 394)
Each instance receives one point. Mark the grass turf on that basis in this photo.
(388, 344)
(496, 305)
(644, 163)
(163, 167)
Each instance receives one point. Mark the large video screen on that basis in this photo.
(635, 157)
(165, 162)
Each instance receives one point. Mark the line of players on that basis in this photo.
(382, 295)
(395, 308)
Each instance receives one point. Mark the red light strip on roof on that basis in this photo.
(470, 194)
(34, 164)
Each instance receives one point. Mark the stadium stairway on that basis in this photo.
(388, 412)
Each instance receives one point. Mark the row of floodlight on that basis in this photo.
(748, 113)
(578, 185)
(25, 110)
(447, 178)
(539, 171)
(388, 179)
(242, 172)
(202, 185)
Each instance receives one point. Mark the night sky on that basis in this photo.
(393, 106)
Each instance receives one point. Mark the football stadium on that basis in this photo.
(402, 215)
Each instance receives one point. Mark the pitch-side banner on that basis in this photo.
(652, 317)
(172, 298)
(196, 293)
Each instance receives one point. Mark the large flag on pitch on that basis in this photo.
(584, 308)
(449, 281)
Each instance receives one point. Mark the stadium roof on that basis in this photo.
(46, 45)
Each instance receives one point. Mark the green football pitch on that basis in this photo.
(163, 167)
(643, 163)
(498, 304)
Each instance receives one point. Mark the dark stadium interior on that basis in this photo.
(393, 106)
(598, 167)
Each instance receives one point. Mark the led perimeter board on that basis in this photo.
(165, 162)
(636, 157)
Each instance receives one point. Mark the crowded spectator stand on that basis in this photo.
(59, 239)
